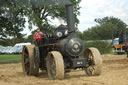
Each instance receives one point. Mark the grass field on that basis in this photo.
(10, 57)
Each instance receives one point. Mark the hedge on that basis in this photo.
(102, 46)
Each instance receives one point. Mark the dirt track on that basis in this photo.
(115, 72)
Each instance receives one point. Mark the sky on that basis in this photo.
(91, 9)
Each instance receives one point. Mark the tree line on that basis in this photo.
(13, 14)
(105, 29)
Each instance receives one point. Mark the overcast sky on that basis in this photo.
(91, 9)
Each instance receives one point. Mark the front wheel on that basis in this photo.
(55, 65)
(94, 61)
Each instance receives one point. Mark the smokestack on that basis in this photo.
(70, 17)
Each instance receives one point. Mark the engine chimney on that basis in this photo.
(70, 17)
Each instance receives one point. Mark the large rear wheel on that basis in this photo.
(30, 60)
(55, 65)
(94, 61)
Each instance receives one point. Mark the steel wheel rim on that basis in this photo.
(52, 66)
(26, 62)
(91, 63)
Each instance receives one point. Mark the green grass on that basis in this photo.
(10, 57)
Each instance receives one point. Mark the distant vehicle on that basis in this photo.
(1, 49)
(22, 44)
(119, 47)
(18, 49)
(11, 50)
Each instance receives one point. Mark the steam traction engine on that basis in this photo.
(59, 53)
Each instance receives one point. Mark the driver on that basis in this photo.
(38, 34)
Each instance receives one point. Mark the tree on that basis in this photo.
(39, 14)
(107, 28)
(12, 21)
(13, 13)
(79, 34)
